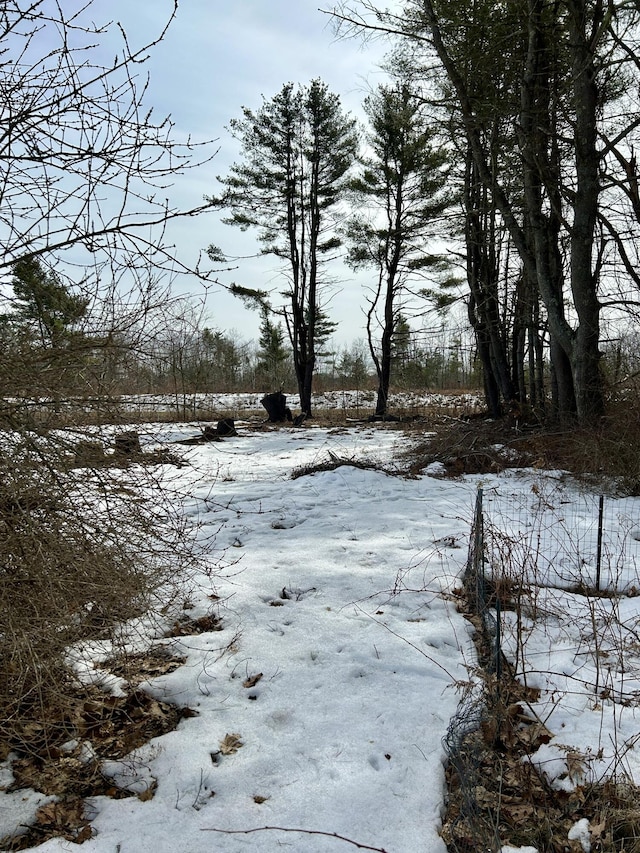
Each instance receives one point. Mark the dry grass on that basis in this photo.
(606, 455)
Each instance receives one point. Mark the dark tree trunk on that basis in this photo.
(563, 399)
(384, 378)
(300, 335)
(305, 387)
(383, 366)
(491, 389)
(542, 221)
(586, 356)
(482, 277)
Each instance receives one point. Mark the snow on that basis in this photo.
(346, 400)
(322, 704)
(580, 832)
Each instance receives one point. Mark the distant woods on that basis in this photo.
(57, 352)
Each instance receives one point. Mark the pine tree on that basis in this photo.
(272, 354)
(44, 302)
(403, 184)
(296, 154)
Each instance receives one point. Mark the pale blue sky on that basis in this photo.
(216, 58)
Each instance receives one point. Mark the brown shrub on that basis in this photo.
(80, 552)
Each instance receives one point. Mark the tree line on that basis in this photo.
(47, 325)
(539, 103)
(497, 172)
(507, 133)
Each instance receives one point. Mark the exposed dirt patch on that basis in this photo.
(187, 625)
(142, 666)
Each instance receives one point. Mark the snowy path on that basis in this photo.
(342, 732)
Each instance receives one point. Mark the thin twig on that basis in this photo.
(292, 829)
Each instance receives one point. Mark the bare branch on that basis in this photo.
(83, 161)
(302, 831)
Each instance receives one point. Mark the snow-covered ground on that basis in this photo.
(322, 704)
(353, 402)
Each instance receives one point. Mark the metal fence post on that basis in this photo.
(599, 555)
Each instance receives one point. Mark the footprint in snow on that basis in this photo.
(376, 761)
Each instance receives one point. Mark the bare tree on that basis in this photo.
(84, 176)
(83, 162)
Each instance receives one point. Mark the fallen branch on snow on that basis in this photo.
(291, 829)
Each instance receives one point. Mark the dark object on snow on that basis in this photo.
(127, 443)
(382, 418)
(223, 429)
(226, 427)
(276, 406)
(89, 453)
(210, 433)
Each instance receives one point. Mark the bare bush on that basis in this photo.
(86, 171)
(81, 550)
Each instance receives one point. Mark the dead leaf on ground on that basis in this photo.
(231, 743)
(534, 735)
(576, 764)
(252, 680)
(148, 793)
(187, 626)
(64, 818)
(517, 813)
(136, 668)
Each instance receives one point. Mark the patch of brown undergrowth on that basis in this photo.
(496, 795)
(476, 445)
(501, 800)
(606, 453)
(92, 727)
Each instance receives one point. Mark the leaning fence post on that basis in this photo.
(599, 552)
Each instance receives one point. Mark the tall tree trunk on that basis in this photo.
(543, 205)
(305, 388)
(575, 356)
(386, 345)
(491, 389)
(482, 277)
(586, 356)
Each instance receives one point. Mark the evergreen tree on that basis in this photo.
(296, 154)
(403, 185)
(272, 353)
(43, 302)
(42, 349)
(556, 60)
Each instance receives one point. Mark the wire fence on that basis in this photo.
(464, 747)
(530, 552)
